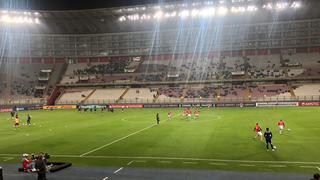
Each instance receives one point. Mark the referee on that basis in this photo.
(268, 137)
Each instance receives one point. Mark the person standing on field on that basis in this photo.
(268, 137)
(158, 118)
(28, 120)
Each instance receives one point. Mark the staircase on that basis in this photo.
(89, 95)
(123, 94)
(248, 93)
(291, 90)
(54, 96)
(156, 97)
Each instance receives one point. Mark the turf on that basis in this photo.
(224, 134)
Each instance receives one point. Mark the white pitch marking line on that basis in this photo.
(218, 164)
(118, 170)
(129, 163)
(280, 166)
(7, 158)
(247, 165)
(117, 140)
(190, 162)
(164, 161)
(318, 168)
(307, 166)
(176, 158)
(140, 161)
(105, 178)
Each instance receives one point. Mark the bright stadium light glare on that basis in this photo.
(206, 12)
(167, 15)
(222, 11)
(173, 14)
(195, 12)
(239, 9)
(281, 5)
(122, 18)
(268, 6)
(252, 8)
(158, 15)
(296, 5)
(184, 14)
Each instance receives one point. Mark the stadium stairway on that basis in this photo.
(248, 93)
(123, 94)
(89, 95)
(156, 97)
(54, 96)
(291, 90)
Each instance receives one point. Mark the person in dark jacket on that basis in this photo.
(268, 137)
(41, 168)
(158, 118)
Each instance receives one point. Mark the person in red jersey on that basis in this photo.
(281, 126)
(169, 115)
(189, 113)
(258, 130)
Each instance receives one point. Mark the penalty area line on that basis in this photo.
(115, 141)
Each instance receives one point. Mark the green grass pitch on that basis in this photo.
(221, 138)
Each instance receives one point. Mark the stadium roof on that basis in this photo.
(106, 19)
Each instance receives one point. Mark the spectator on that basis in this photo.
(41, 168)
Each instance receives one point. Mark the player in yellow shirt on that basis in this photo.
(16, 121)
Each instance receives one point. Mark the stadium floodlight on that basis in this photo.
(268, 6)
(184, 13)
(37, 21)
(222, 11)
(281, 5)
(158, 15)
(173, 14)
(252, 8)
(195, 12)
(167, 15)
(296, 5)
(206, 12)
(239, 9)
(122, 18)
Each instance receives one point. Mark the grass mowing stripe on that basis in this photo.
(106, 145)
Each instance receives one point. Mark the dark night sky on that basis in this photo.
(71, 4)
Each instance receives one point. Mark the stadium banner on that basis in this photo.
(60, 107)
(309, 103)
(6, 110)
(115, 106)
(206, 105)
(93, 106)
(253, 104)
(271, 104)
(161, 105)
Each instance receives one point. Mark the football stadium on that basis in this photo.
(163, 90)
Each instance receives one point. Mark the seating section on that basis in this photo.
(308, 90)
(139, 94)
(74, 96)
(269, 90)
(105, 95)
